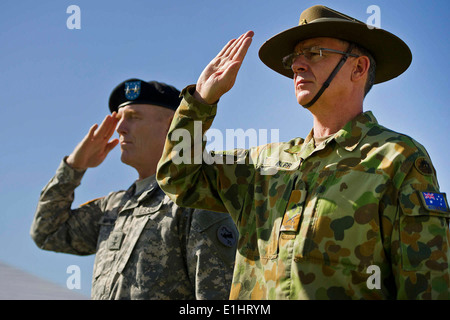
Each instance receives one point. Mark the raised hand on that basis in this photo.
(95, 146)
(220, 74)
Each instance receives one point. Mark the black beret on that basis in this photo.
(136, 91)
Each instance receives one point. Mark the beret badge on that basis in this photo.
(132, 90)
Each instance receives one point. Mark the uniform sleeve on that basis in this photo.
(211, 250)
(421, 238)
(56, 227)
(193, 178)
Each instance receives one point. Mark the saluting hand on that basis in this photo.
(95, 146)
(220, 74)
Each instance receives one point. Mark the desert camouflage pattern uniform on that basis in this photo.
(146, 246)
(313, 221)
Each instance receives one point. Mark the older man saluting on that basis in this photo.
(318, 217)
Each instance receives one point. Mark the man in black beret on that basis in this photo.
(146, 246)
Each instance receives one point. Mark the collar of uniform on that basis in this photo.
(355, 130)
(144, 186)
(302, 147)
(348, 137)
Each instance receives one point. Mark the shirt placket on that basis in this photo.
(116, 240)
(289, 232)
(298, 218)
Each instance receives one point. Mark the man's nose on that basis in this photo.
(299, 64)
(122, 126)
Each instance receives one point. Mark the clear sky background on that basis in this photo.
(55, 83)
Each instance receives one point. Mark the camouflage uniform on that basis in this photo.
(315, 226)
(146, 246)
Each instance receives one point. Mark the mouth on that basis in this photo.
(125, 143)
(302, 82)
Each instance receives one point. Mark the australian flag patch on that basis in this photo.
(435, 201)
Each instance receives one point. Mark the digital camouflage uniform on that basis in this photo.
(146, 246)
(315, 227)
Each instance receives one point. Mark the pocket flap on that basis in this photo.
(142, 211)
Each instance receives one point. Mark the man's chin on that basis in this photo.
(125, 159)
(303, 102)
(304, 98)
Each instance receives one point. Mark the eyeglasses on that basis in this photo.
(313, 54)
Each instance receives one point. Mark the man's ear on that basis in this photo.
(361, 68)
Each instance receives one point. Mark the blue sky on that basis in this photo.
(55, 83)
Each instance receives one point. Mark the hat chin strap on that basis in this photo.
(330, 78)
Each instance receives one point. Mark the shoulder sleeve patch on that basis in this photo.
(226, 236)
(423, 166)
(435, 201)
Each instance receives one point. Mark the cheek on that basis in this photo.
(149, 138)
(340, 82)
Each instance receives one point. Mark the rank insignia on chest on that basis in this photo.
(132, 90)
(434, 201)
(291, 218)
(115, 240)
(290, 223)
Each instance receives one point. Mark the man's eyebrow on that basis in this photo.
(130, 112)
(308, 46)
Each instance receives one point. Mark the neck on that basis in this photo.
(145, 172)
(329, 119)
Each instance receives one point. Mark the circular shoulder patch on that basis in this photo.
(226, 236)
(423, 166)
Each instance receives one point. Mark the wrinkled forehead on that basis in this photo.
(325, 42)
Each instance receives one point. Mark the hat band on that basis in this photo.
(334, 20)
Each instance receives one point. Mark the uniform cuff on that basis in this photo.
(201, 110)
(67, 173)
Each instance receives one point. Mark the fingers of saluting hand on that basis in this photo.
(220, 74)
(106, 128)
(238, 48)
(95, 146)
(112, 121)
(235, 50)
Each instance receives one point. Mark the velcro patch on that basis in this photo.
(434, 201)
(115, 240)
(226, 236)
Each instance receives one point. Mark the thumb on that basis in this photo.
(111, 145)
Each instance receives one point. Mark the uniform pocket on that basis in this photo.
(341, 221)
(106, 225)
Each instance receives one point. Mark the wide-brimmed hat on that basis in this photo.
(391, 54)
